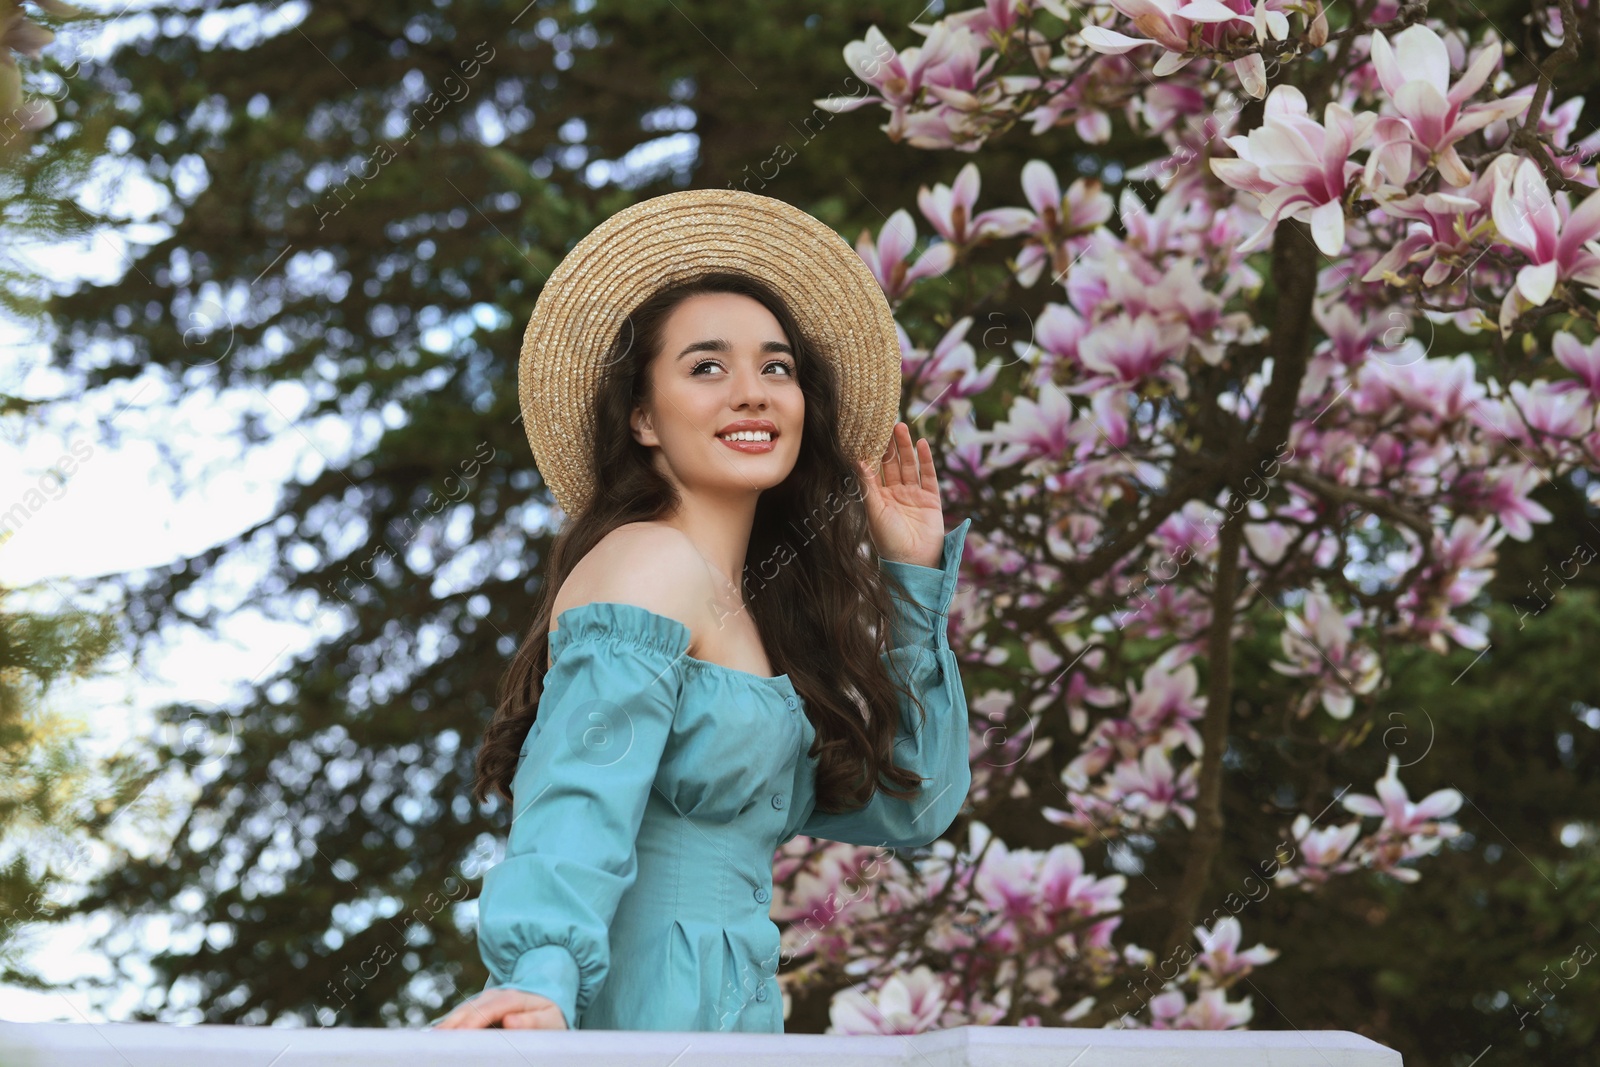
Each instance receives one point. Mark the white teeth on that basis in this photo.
(747, 435)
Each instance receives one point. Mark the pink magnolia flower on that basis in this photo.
(1166, 703)
(1320, 648)
(1222, 958)
(1057, 333)
(1029, 892)
(1394, 807)
(1169, 609)
(1321, 853)
(1085, 814)
(1558, 123)
(1269, 541)
(949, 371)
(1582, 360)
(1408, 830)
(1442, 236)
(1210, 1011)
(1299, 167)
(1188, 535)
(1007, 885)
(1057, 222)
(887, 258)
(1111, 739)
(905, 1004)
(1558, 241)
(1443, 390)
(1176, 295)
(1463, 558)
(1064, 887)
(1415, 72)
(875, 61)
(1469, 545)
(951, 69)
(1173, 24)
(946, 66)
(996, 15)
(1507, 497)
(1350, 338)
(940, 126)
(1076, 101)
(1129, 352)
(1161, 105)
(1149, 788)
(1543, 410)
(1039, 431)
(1165, 1008)
(949, 208)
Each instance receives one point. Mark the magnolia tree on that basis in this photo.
(1235, 416)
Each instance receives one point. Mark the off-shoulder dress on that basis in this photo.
(651, 794)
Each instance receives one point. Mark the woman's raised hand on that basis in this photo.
(510, 1009)
(903, 511)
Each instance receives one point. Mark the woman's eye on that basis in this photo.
(787, 366)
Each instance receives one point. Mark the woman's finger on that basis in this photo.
(908, 455)
(865, 473)
(930, 478)
(894, 459)
(476, 1012)
(538, 1019)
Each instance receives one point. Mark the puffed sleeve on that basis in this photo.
(578, 798)
(935, 749)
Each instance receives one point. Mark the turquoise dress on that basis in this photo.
(652, 792)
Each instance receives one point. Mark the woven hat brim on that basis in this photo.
(667, 238)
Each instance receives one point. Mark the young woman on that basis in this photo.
(709, 455)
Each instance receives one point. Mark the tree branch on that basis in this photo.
(1206, 840)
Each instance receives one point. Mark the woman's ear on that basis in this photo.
(643, 429)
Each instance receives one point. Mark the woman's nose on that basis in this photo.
(748, 386)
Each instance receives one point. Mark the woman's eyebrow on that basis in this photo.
(719, 344)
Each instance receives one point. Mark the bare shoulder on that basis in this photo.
(647, 564)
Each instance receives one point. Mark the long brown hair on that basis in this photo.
(823, 614)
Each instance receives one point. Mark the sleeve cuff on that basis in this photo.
(551, 972)
(921, 620)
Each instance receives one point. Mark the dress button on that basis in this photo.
(762, 895)
(777, 801)
(790, 702)
(761, 992)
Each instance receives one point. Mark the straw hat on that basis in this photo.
(666, 239)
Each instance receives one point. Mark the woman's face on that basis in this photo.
(724, 360)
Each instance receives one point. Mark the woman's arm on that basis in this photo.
(936, 749)
(579, 797)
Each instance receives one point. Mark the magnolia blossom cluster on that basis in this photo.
(1008, 917)
(1401, 419)
(1198, 998)
(1548, 242)
(1407, 831)
(1123, 777)
(1141, 308)
(1426, 213)
(1397, 126)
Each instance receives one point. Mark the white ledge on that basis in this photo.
(164, 1045)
